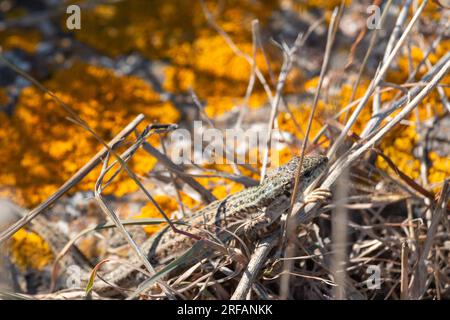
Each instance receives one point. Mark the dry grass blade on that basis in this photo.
(404, 293)
(227, 232)
(369, 50)
(393, 38)
(296, 199)
(339, 238)
(376, 81)
(75, 118)
(377, 118)
(336, 170)
(193, 254)
(172, 167)
(107, 225)
(254, 266)
(108, 210)
(420, 274)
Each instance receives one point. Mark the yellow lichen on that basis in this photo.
(322, 4)
(42, 149)
(400, 142)
(26, 40)
(439, 170)
(179, 32)
(325, 111)
(398, 146)
(154, 28)
(4, 99)
(215, 72)
(168, 205)
(432, 10)
(29, 250)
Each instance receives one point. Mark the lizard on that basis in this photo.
(222, 218)
(241, 214)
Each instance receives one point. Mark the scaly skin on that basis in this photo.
(243, 213)
(229, 213)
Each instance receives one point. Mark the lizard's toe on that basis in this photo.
(319, 194)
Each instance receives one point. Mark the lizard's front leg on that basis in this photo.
(319, 194)
(261, 225)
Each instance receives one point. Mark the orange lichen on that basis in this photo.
(216, 73)
(439, 170)
(179, 32)
(168, 205)
(301, 115)
(400, 142)
(4, 99)
(322, 4)
(29, 250)
(27, 40)
(157, 27)
(221, 191)
(398, 145)
(43, 149)
(324, 111)
(432, 10)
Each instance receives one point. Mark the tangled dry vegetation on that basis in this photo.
(374, 100)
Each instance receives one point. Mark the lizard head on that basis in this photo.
(311, 168)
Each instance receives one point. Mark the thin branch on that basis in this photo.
(290, 223)
(308, 212)
(378, 78)
(254, 266)
(172, 167)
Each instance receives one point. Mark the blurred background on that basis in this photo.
(122, 58)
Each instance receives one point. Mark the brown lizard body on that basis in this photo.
(221, 218)
(245, 213)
